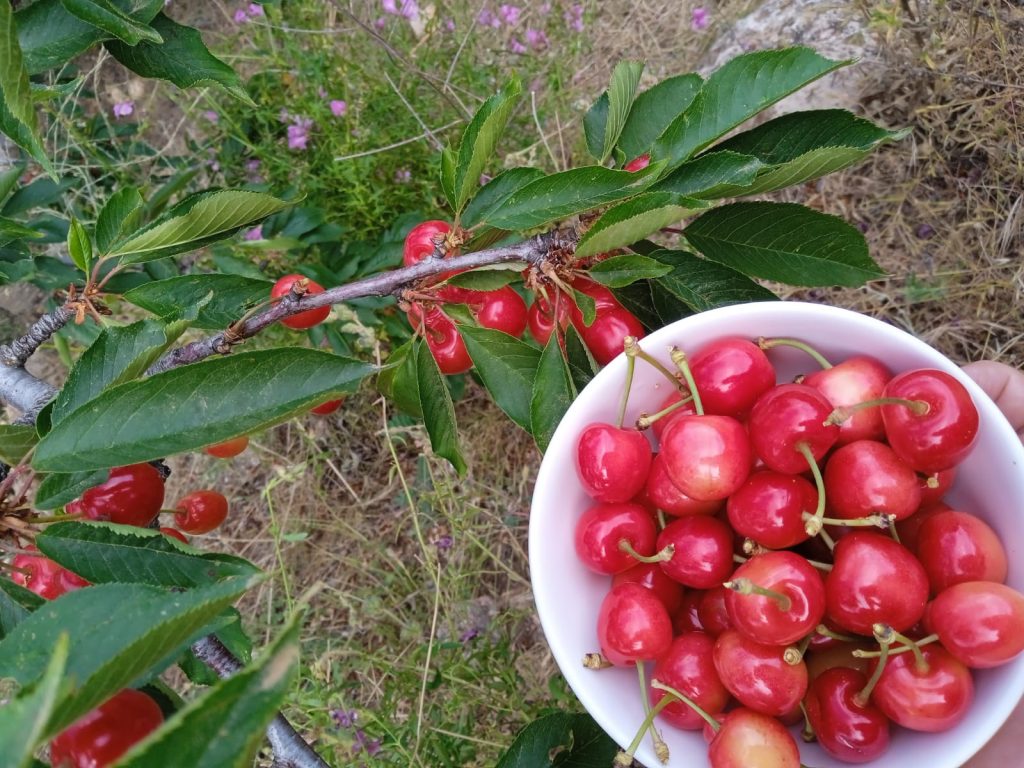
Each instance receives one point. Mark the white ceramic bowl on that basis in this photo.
(990, 483)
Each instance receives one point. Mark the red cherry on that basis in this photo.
(612, 462)
(600, 530)
(201, 511)
(955, 547)
(689, 667)
(758, 675)
(229, 448)
(43, 576)
(934, 487)
(909, 529)
(310, 317)
(420, 242)
(874, 580)
(605, 337)
(731, 374)
(688, 409)
(712, 612)
(633, 625)
(707, 457)
(174, 533)
(703, 551)
(940, 438)
(131, 495)
(651, 576)
(686, 618)
(931, 699)
(787, 417)
(981, 623)
(540, 317)
(638, 163)
(769, 508)
(748, 739)
(443, 339)
(846, 729)
(855, 380)
(786, 619)
(327, 407)
(99, 738)
(503, 310)
(865, 478)
(666, 496)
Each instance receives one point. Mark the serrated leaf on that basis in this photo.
(565, 194)
(552, 393)
(230, 297)
(25, 718)
(224, 728)
(79, 246)
(560, 740)
(582, 365)
(634, 220)
(119, 216)
(625, 79)
(586, 305)
(199, 219)
(448, 161)
(57, 490)
(480, 139)
(17, 107)
(494, 193)
(703, 284)
(398, 379)
(485, 279)
(112, 20)
(112, 649)
(104, 552)
(16, 604)
(14, 230)
(507, 367)
(181, 58)
(437, 408)
(594, 125)
(715, 174)
(15, 441)
(119, 354)
(194, 406)
(619, 271)
(785, 242)
(654, 109)
(734, 93)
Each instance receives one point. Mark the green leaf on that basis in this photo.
(437, 408)
(703, 284)
(112, 20)
(57, 490)
(734, 93)
(9, 178)
(486, 279)
(582, 365)
(229, 297)
(199, 219)
(595, 124)
(494, 193)
(507, 367)
(25, 718)
(552, 393)
(119, 354)
(480, 139)
(564, 194)
(634, 220)
(15, 441)
(79, 246)
(104, 552)
(560, 740)
(716, 174)
(112, 649)
(654, 109)
(619, 271)
(194, 406)
(448, 175)
(784, 242)
(586, 305)
(639, 299)
(17, 108)
(234, 639)
(14, 230)
(398, 380)
(16, 604)
(224, 728)
(120, 215)
(41, 193)
(625, 79)
(182, 58)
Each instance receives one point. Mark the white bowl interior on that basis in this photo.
(990, 483)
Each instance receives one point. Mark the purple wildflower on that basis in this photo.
(338, 107)
(298, 133)
(574, 17)
(255, 9)
(700, 19)
(487, 18)
(252, 165)
(406, 8)
(380, 22)
(516, 47)
(212, 116)
(123, 108)
(449, 24)
(403, 176)
(344, 718)
(468, 635)
(444, 543)
(924, 231)
(241, 16)
(536, 38)
(256, 233)
(509, 14)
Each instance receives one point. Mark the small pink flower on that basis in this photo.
(241, 16)
(486, 18)
(256, 233)
(509, 14)
(536, 38)
(252, 165)
(123, 108)
(449, 24)
(255, 9)
(338, 107)
(403, 176)
(574, 17)
(380, 22)
(212, 116)
(516, 47)
(544, 9)
(700, 19)
(406, 8)
(298, 133)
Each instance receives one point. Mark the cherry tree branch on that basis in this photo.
(23, 391)
(18, 352)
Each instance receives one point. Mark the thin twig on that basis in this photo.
(17, 352)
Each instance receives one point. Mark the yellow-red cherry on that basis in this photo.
(731, 374)
(633, 625)
(930, 698)
(758, 675)
(981, 623)
(707, 457)
(795, 608)
(748, 739)
(787, 420)
(229, 448)
(955, 547)
(689, 667)
(421, 241)
(310, 317)
(201, 511)
(612, 462)
(601, 530)
(866, 477)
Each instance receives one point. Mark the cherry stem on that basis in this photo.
(932, 481)
(660, 747)
(807, 732)
(751, 547)
(625, 759)
(839, 415)
(819, 358)
(595, 661)
(650, 360)
(794, 654)
(658, 557)
(885, 636)
(679, 358)
(892, 529)
(630, 368)
(715, 725)
(814, 525)
(662, 522)
(747, 587)
(880, 520)
(914, 646)
(646, 420)
(824, 631)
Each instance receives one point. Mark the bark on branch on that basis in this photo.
(18, 352)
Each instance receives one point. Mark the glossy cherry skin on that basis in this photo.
(600, 529)
(201, 511)
(785, 417)
(955, 547)
(707, 457)
(846, 729)
(310, 317)
(605, 336)
(874, 579)
(748, 739)
(666, 496)
(99, 738)
(419, 243)
(769, 508)
(757, 675)
(731, 374)
(651, 576)
(661, 424)
(686, 618)
(941, 482)
(703, 551)
(981, 623)
(174, 533)
(443, 339)
(229, 448)
(689, 667)
(855, 380)
(866, 477)
(762, 618)
(712, 612)
(930, 700)
(909, 529)
(939, 439)
(633, 625)
(503, 310)
(612, 462)
(43, 576)
(131, 495)
(328, 407)
(638, 163)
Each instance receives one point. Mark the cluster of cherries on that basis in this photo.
(787, 548)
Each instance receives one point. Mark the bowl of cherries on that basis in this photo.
(781, 533)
